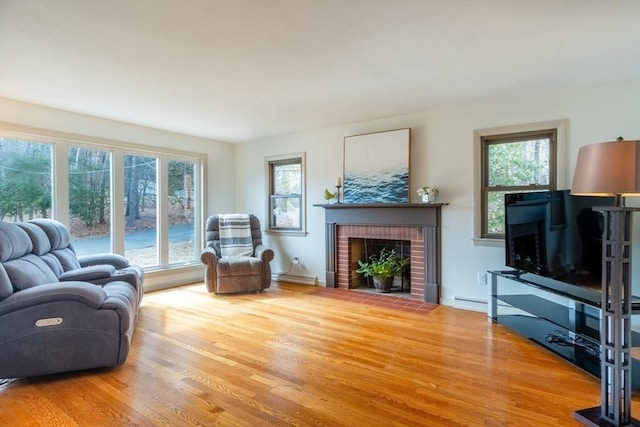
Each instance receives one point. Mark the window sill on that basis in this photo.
(481, 241)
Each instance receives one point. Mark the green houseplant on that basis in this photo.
(383, 267)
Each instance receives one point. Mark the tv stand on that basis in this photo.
(561, 317)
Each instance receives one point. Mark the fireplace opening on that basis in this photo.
(363, 248)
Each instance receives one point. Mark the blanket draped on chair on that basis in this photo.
(235, 235)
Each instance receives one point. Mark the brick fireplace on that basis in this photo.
(419, 224)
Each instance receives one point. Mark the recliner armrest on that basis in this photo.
(118, 261)
(88, 274)
(209, 257)
(83, 292)
(264, 253)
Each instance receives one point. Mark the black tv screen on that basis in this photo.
(555, 234)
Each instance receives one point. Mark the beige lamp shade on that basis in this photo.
(608, 169)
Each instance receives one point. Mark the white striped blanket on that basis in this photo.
(235, 235)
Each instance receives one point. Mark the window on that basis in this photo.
(523, 161)
(142, 202)
(25, 180)
(141, 210)
(182, 202)
(286, 184)
(90, 200)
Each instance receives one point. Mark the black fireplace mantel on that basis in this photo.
(423, 215)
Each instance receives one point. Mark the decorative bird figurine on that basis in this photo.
(329, 195)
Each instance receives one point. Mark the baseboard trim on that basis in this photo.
(169, 278)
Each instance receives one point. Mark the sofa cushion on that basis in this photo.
(67, 258)
(39, 239)
(56, 232)
(54, 263)
(6, 288)
(28, 271)
(14, 242)
(60, 241)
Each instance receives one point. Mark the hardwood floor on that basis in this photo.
(288, 357)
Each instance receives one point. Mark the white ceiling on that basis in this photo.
(240, 70)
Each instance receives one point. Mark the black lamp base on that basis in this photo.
(591, 417)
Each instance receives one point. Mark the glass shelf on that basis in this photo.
(563, 318)
(585, 294)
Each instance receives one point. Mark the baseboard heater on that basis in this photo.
(302, 280)
(473, 303)
(469, 303)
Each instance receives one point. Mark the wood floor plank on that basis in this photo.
(289, 358)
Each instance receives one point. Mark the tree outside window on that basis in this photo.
(25, 180)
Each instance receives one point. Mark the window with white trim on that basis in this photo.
(151, 215)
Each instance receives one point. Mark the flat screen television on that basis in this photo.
(555, 234)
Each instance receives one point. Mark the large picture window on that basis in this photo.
(142, 203)
(286, 185)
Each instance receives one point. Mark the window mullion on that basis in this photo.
(60, 184)
(162, 180)
(117, 207)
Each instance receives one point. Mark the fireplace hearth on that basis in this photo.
(418, 224)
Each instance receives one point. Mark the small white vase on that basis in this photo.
(428, 198)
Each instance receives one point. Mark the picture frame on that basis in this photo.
(376, 167)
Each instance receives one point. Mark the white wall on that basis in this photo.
(442, 156)
(220, 155)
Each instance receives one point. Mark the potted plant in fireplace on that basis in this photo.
(383, 268)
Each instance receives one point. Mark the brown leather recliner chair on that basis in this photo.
(239, 273)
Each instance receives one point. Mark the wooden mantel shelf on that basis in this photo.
(378, 205)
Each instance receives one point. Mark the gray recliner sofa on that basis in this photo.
(60, 312)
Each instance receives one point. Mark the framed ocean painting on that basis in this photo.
(376, 167)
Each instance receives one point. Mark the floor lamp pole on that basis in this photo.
(615, 324)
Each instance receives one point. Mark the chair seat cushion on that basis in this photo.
(239, 266)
